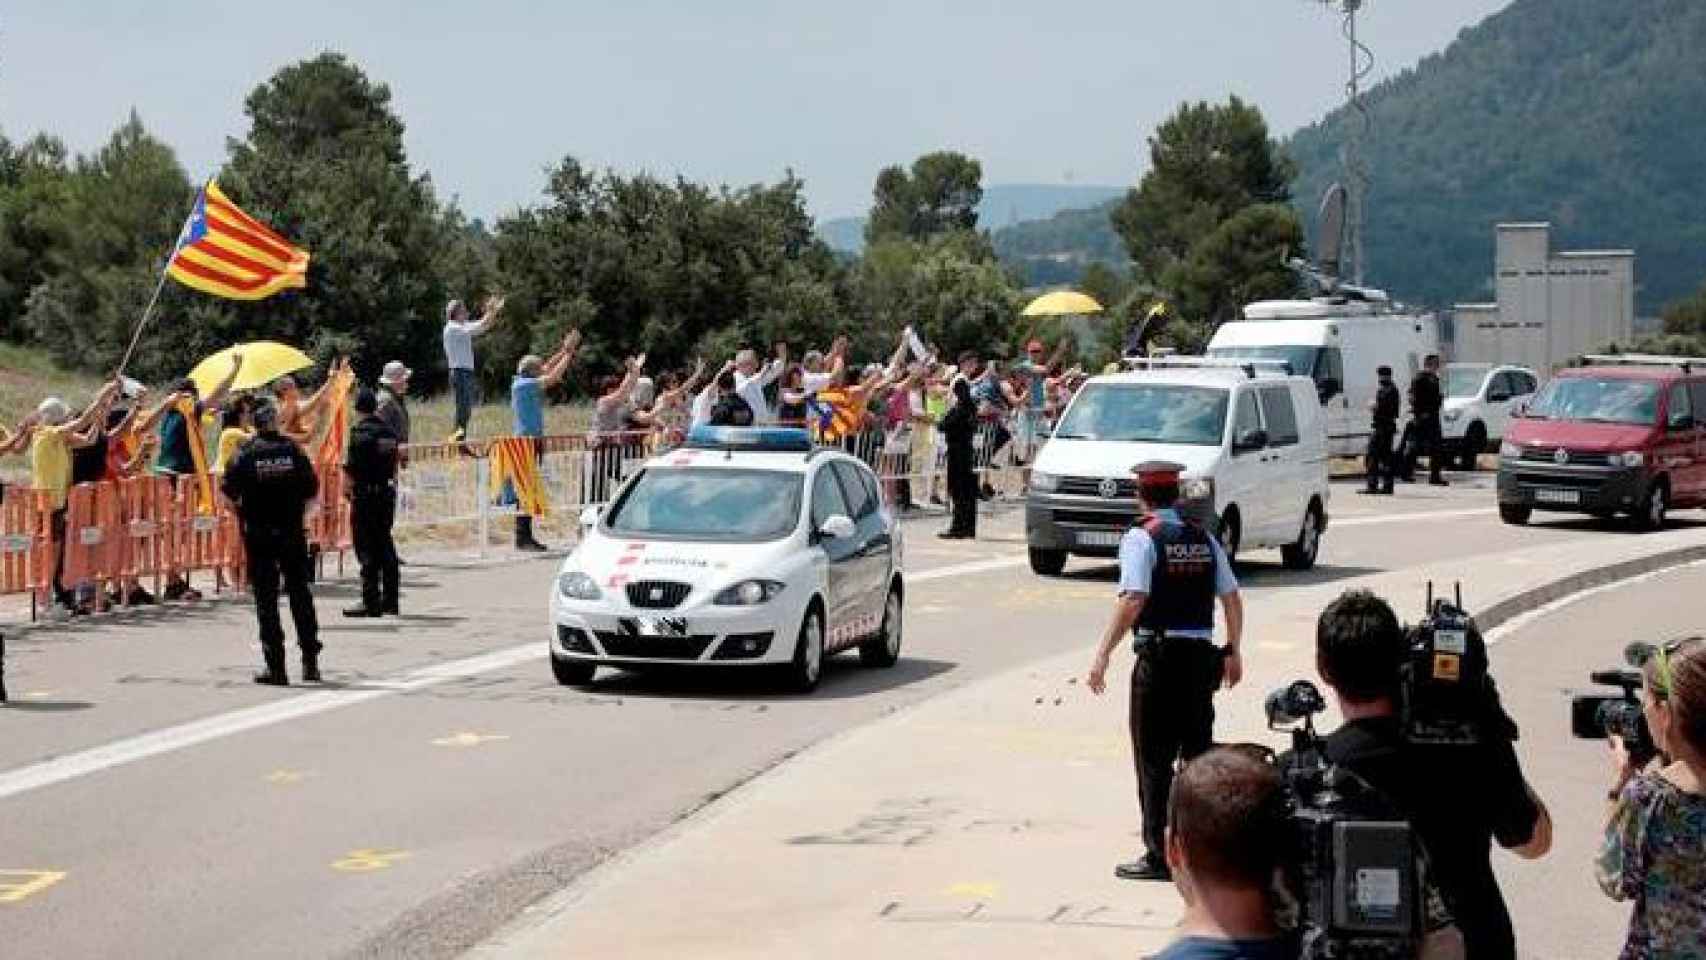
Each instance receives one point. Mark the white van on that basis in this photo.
(1338, 343)
(1251, 438)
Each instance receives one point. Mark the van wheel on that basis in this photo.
(1514, 514)
(806, 669)
(1047, 563)
(1229, 534)
(883, 649)
(1301, 555)
(1654, 508)
(1474, 441)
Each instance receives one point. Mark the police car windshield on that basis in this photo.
(1464, 381)
(687, 503)
(1607, 400)
(1146, 413)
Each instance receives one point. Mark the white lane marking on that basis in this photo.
(46, 773)
(1406, 517)
(1522, 620)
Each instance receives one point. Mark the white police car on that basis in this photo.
(747, 546)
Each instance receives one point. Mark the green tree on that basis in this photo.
(1240, 262)
(34, 181)
(324, 164)
(950, 288)
(122, 209)
(940, 194)
(1206, 163)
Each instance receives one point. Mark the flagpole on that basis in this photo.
(165, 271)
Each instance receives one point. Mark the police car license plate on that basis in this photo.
(661, 626)
(1558, 496)
(1099, 538)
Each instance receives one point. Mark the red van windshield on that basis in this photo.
(1598, 400)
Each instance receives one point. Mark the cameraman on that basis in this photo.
(1225, 827)
(1655, 843)
(1458, 798)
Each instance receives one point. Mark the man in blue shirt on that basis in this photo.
(1225, 837)
(1171, 571)
(533, 377)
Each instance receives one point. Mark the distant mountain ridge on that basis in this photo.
(1004, 204)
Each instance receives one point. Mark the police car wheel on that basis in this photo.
(806, 669)
(1301, 555)
(883, 649)
(1047, 563)
(573, 673)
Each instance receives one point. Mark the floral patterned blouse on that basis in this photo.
(1655, 854)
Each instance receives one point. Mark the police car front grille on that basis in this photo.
(1580, 458)
(1092, 518)
(653, 648)
(658, 594)
(1092, 487)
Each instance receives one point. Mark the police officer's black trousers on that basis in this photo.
(1379, 460)
(1172, 719)
(274, 554)
(962, 489)
(1430, 440)
(371, 515)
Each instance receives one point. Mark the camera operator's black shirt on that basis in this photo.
(1459, 799)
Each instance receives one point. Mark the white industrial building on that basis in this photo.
(1552, 307)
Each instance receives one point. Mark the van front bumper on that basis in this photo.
(1571, 488)
(1093, 526)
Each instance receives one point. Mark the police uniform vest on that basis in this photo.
(272, 482)
(1181, 593)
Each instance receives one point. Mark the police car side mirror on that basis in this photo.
(1250, 440)
(838, 527)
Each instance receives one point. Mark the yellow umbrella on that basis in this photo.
(1062, 303)
(263, 362)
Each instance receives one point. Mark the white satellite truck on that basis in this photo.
(1338, 337)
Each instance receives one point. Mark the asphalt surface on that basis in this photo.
(442, 781)
(1558, 908)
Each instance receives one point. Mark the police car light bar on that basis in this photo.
(1250, 365)
(757, 439)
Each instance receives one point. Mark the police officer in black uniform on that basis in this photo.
(270, 483)
(1426, 399)
(1385, 409)
(1171, 571)
(372, 467)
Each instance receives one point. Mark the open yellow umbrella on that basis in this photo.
(1062, 303)
(263, 362)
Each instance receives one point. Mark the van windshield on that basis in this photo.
(1599, 400)
(1301, 359)
(1464, 380)
(1146, 413)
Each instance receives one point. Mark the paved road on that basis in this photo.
(443, 781)
(1558, 909)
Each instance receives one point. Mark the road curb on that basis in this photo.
(1533, 598)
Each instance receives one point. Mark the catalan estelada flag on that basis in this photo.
(225, 252)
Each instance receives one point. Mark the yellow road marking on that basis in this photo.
(975, 891)
(468, 739)
(28, 883)
(367, 861)
(39, 694)
(282, 777)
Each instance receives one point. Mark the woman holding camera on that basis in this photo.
(1654, 852)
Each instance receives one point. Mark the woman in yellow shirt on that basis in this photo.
(236, 427)
(56, 436)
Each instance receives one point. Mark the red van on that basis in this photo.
(1625, 435)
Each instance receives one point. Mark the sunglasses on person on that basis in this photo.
(1664, 680)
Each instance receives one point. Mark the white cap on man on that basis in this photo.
(395, 374)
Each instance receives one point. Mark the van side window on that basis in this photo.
(1281, 416)
(1681, 412)
(1246, 419)
(1524, 382)
(1698, 389)
(1330, 366)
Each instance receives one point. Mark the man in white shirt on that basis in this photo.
(459, 337)
(751, 379)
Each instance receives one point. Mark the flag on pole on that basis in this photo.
(227, 253)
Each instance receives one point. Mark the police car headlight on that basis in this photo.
(1197, 488)
(1509, 449)
(578, 586)
(748, 593)
(1633, 458)
(1044, 482)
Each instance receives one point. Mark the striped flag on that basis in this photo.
(227, 253)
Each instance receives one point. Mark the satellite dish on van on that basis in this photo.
(1330, 231)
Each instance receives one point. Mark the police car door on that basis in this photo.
(871, 568)
(842, 552)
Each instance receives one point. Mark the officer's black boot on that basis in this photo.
(274, 675)
(2, 668)
(524, 535)
(311, 668)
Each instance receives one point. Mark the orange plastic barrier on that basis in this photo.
(94, 537)
(26, 550)
(147, 509)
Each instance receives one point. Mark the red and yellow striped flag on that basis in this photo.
(225, 252)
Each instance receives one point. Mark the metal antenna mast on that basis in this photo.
(1357, 128)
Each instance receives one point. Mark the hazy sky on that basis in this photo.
(733, 91)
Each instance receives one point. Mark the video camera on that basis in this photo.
(1447, 695)
(1594, 716)
(1352, 868)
